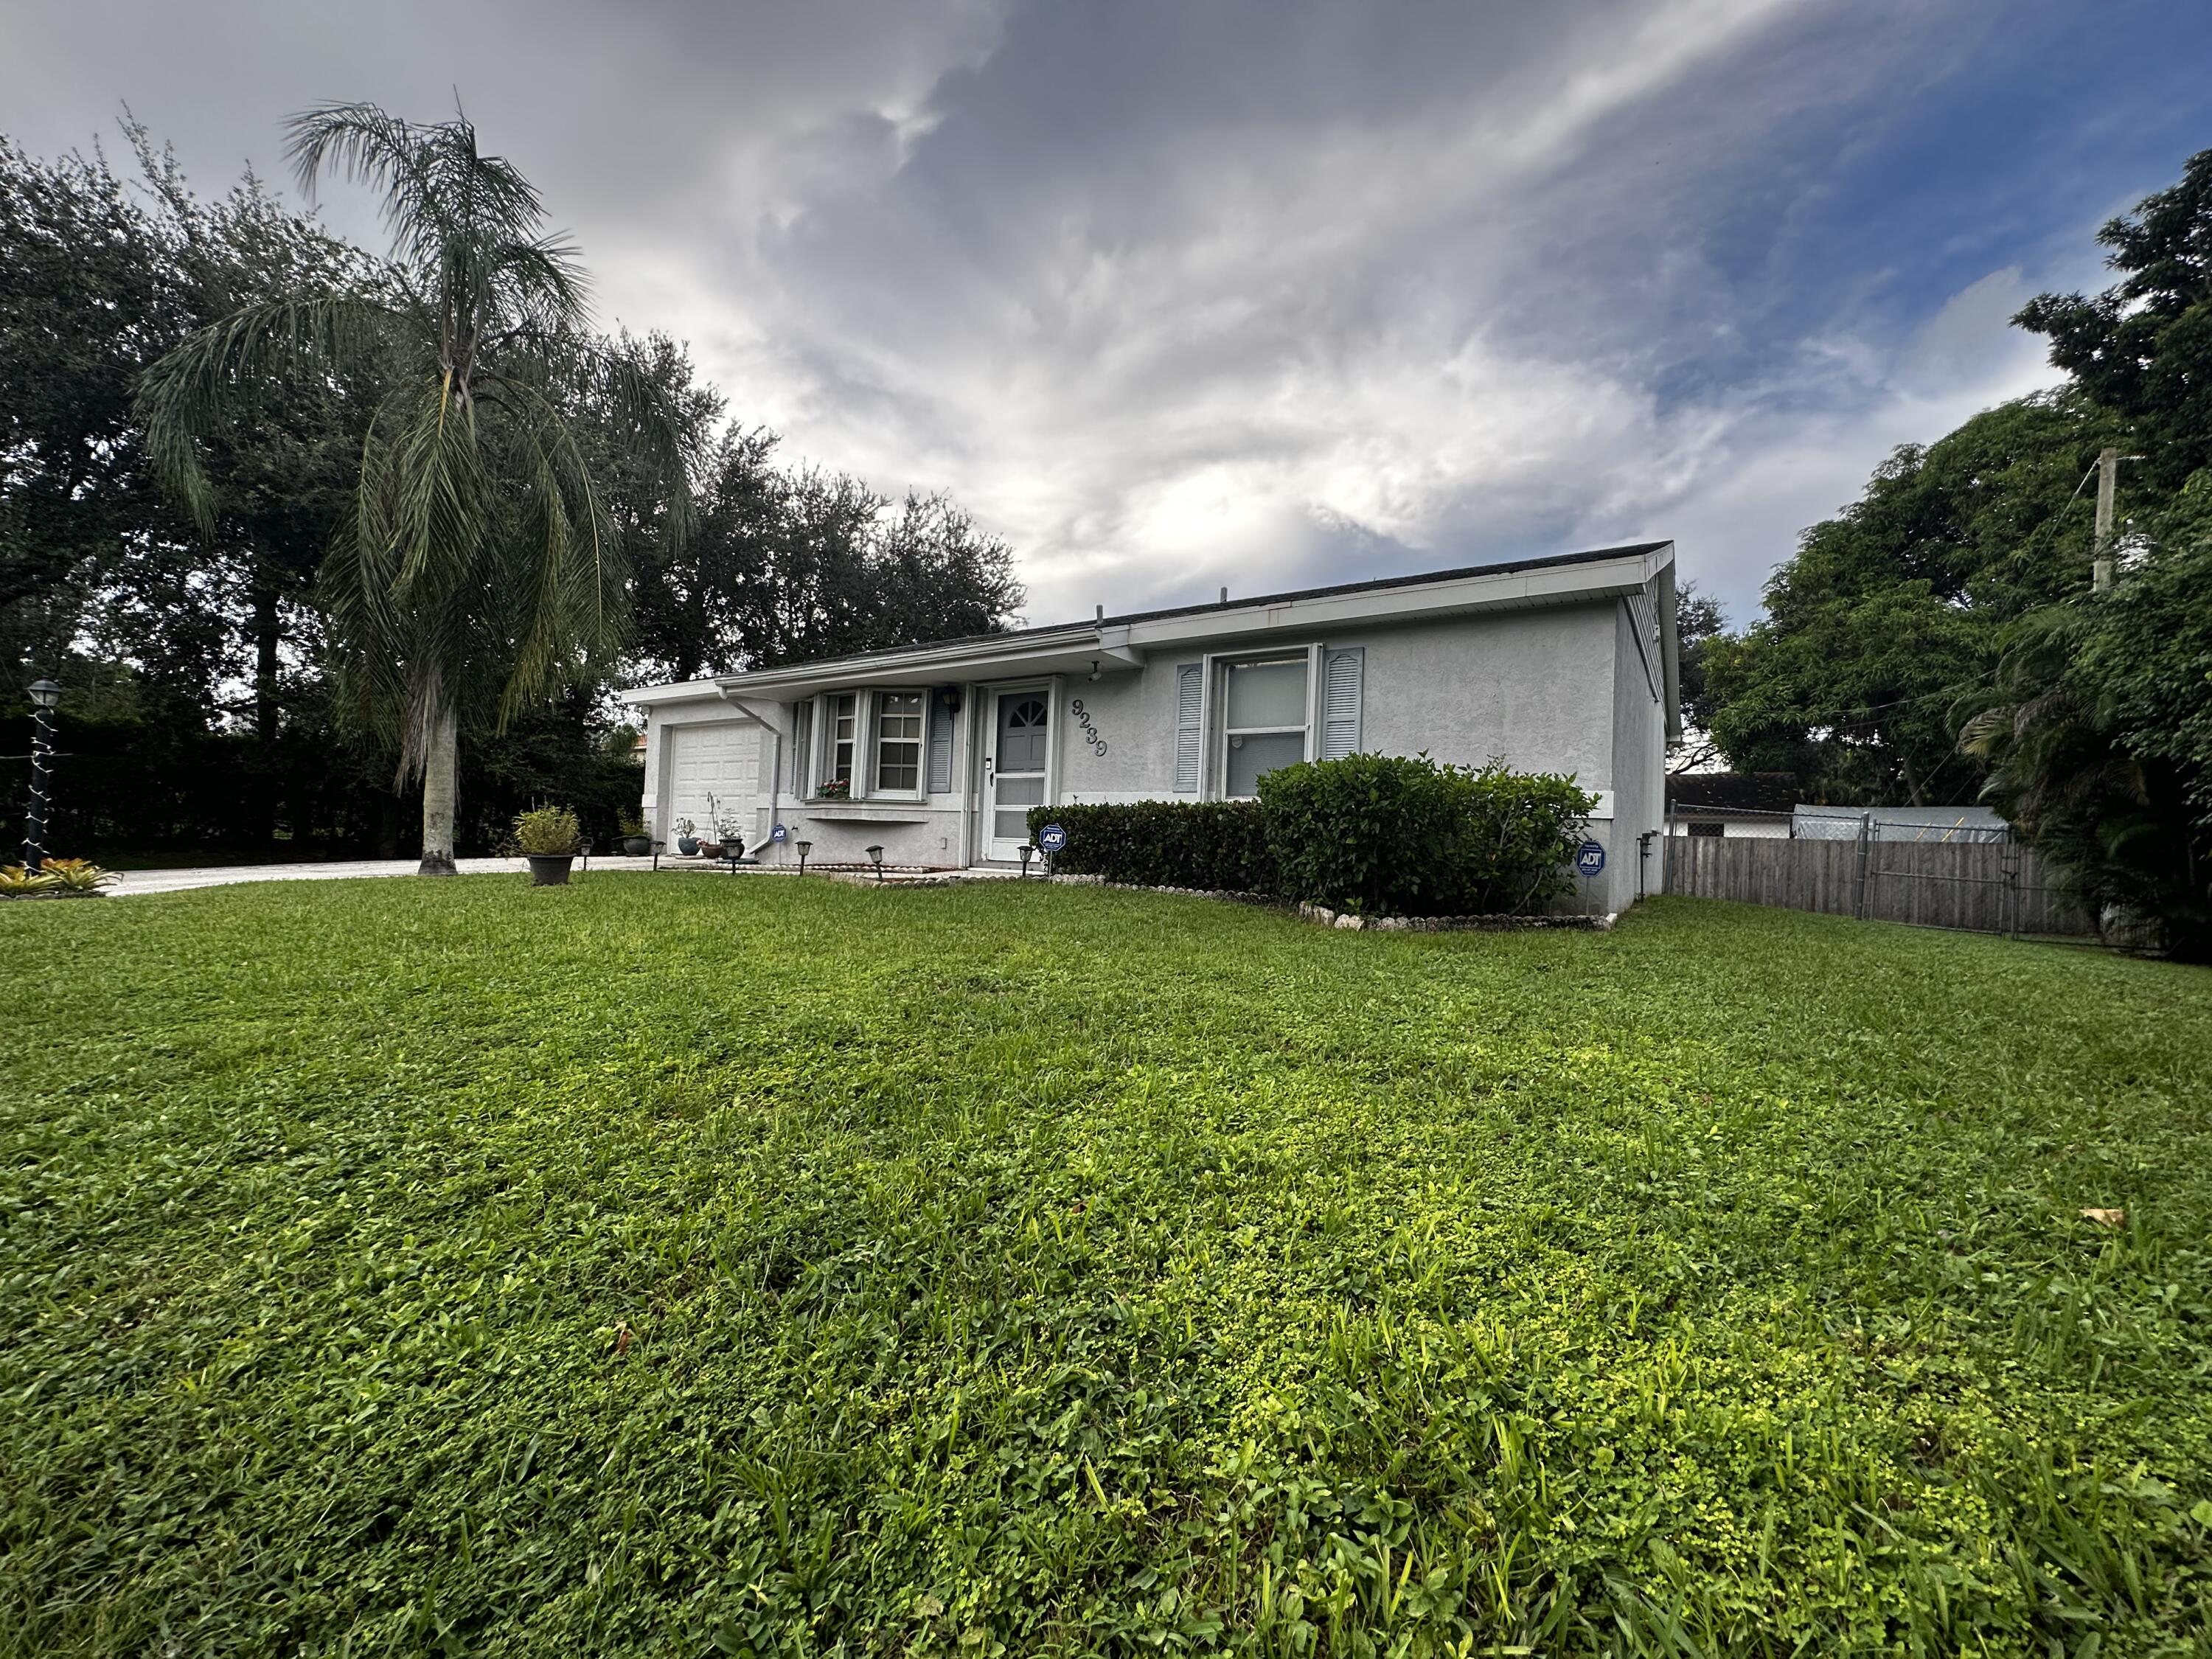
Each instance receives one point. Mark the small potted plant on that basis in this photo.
(634, 840)
(549, 837)
(836, 789)
(687, 837)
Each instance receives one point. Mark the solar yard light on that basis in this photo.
(876, 858)
(804, 848)
(44, 695)
(1028, 852)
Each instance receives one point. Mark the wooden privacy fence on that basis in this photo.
(1988, 887)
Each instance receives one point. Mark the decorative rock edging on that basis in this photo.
(1322, 917)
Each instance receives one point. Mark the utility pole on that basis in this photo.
(2108, 478)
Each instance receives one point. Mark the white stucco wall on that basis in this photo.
(1638, 771)
(1555, 689)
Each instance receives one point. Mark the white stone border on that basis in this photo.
(1321, 915)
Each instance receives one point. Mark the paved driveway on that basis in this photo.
(173, 881)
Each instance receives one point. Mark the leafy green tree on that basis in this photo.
(2143, 347)
(1892, 610)
(476, 568)
(793, 566)
(1698, 621)
(2097, 731)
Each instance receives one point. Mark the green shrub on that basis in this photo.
(1215, 845)
(547, 832)
(1382, 835)
(79, 875)
(18, 880)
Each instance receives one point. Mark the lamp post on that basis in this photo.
(45, 694)
(804, 848)
(876, 858)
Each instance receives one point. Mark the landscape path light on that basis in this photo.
(876, 858)
(44, 695)
(1028, 852)
(804, 848)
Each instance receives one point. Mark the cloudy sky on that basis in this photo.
(1180, 292)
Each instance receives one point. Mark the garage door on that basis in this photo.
(721, 760)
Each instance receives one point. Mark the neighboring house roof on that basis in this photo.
(1119, 643)
(1764, 792)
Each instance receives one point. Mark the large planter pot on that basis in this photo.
(551, 869)
(637, 845)
(688, 845)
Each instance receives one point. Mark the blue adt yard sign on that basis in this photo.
(1052, 838)
(1589, 859)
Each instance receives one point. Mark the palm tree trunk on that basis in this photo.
(439, 765)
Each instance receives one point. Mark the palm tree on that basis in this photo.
(475, 569)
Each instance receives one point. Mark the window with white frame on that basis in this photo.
(841, 730)
(898, 742)
(1265, 710)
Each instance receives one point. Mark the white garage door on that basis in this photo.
(721, 760)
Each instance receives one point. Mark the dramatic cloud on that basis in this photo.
(1266, 291)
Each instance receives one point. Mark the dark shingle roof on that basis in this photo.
(1503, 568)
(1733, 792)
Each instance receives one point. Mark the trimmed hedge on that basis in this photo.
(1401, 836)
(1214, 845)
(1370, 835)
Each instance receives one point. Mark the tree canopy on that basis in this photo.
(213, 702)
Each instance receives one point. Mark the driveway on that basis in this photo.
(224, 875)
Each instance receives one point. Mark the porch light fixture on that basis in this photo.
(804, 848)
(876, 858)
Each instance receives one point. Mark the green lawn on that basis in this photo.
(668, 1264)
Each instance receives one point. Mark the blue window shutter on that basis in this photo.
(1340, 706)
(1190, 685)
(940, 747)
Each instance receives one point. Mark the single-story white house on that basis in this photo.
(936, 752)
(1757, 804)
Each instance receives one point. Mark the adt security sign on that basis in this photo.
(778, 833)
(1052, 838)
(1589, 859)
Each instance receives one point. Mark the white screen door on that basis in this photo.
(1017, 780)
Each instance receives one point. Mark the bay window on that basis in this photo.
(898, 742)
(843, 727)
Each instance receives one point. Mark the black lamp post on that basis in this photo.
(804, 848)
(45, 694)
(876, 858)
(1028, 852)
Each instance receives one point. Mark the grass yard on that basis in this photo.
(676, 1266)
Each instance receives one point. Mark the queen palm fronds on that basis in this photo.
(475, 570)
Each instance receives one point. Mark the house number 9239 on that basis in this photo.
(1090, 731)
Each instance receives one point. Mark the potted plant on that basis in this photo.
(836, 789)
(634, 840)
(687, 837)
(549, 837)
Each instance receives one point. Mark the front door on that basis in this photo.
(1014, 770)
